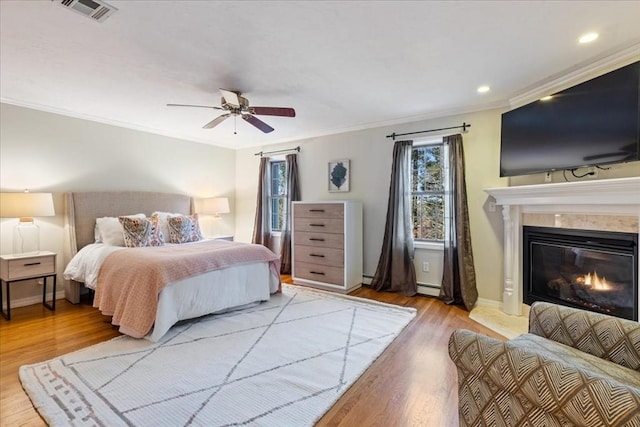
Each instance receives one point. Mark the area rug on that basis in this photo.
(281, 363)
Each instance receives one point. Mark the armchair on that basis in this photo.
(574, 367)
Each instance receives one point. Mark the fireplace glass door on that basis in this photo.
(591, 270)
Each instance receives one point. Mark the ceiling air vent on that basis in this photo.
(94, 9)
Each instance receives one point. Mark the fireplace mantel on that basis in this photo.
(615, 197)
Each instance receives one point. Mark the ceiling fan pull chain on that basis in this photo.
(235, 125)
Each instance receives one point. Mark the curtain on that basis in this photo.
(459, 276)
(261, 231)
(293, 195)
(395, 271)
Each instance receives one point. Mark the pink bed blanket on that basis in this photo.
(129, 281)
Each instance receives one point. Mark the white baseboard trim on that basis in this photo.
(427, 289)
(35, 299)
(484, 302)
(423, 288)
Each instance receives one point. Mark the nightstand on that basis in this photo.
(20, 267)
(221, 237)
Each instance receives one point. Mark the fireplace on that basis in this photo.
(592, 270)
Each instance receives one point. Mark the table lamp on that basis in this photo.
(215, 206)
(25, 206)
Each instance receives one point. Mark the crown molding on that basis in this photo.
(601, 66)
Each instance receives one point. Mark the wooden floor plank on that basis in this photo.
(413, 383)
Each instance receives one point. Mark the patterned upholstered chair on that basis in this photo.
(574, 367)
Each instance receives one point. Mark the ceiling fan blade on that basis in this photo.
(215, 122)
(230, 97)
(191, 105)
(273, 111)
(257, 123)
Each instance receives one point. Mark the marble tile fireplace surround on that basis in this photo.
(608, 205)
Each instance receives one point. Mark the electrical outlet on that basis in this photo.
(593, 172)
(547, 177)
(425, 267)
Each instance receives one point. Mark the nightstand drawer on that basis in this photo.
(15, 269)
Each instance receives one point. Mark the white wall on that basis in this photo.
(53, 153)
(370, 154)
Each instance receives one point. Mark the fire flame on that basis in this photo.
(596, 282)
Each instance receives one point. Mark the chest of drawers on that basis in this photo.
(327, 244)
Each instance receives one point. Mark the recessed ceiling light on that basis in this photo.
(483, 89)
(588, 38)
(546, 98)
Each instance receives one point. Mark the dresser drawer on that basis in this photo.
(319, 273)
(320, 256)
(319, 225)
(319, 210)
(319, 240)
(15, 269)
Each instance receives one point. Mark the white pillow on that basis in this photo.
(163, 220)
(110, 230)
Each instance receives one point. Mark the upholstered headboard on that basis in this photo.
(84, 208)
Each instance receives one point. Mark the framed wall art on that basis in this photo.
(339, 174)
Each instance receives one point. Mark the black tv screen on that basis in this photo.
(594, 123)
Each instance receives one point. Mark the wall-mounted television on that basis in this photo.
(594, 123)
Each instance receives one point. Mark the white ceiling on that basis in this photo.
(343, 65)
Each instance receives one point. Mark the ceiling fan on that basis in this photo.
(236, 105)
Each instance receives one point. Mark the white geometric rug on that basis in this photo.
(281, 363)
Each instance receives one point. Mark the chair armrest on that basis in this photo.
(515, 384)
(607, 337)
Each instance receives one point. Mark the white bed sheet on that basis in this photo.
(212, 292)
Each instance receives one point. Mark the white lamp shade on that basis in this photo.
(215, 206)
(20, 205)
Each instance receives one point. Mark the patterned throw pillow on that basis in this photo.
(140, 232)
(184, 228)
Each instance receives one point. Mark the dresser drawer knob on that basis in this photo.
(316, 239)
(317, 255)
(317, 272)
(316, 225)
(316, 210)
(31, 263)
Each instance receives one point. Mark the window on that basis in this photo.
(428, 188)
(278, 194)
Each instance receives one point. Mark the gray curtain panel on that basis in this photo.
(261, 232)
(395, 271)
(459, 275)
(293, 195)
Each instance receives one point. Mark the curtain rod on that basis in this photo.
(278, 151)
(464, 127)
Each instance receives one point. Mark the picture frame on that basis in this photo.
(339, 176)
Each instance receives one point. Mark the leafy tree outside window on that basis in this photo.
(427, 192)
(278, 194)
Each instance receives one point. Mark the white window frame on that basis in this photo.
(274, 159)
(435, 244)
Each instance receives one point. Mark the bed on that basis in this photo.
(225, 276)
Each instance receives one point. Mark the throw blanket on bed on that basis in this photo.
(130, 281)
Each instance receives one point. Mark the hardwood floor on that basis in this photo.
(413, 383)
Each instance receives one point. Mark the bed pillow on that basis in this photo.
(184, 228)
(109, 230)
(163, 218)
(141, 232)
